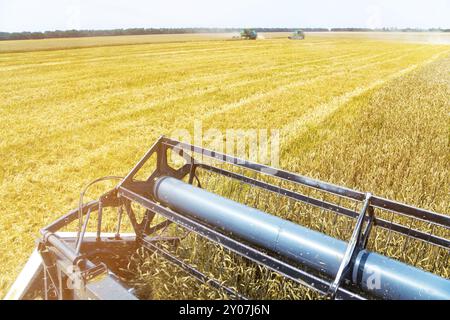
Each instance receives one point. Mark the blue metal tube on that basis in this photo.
(376, 274)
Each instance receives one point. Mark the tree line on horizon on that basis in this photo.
(143, 31)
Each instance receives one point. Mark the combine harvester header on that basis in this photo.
(353, 265)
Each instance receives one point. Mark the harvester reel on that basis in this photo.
(355, 265)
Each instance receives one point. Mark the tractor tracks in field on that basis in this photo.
(305, 67)
(136, 53)
(169, 87)
(135, 112)
(190, 53)
(321, 112)
(239, 70)
(20, 182)
(82, 160)
(292, 85)
(80, 74)
(38, 146)
(116, 87)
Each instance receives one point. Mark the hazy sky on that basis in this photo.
(41, 15)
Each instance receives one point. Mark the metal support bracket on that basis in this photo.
(357, 242)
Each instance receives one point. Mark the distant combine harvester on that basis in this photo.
(247, 34)
(297, 35)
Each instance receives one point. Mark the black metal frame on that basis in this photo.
(58, 254)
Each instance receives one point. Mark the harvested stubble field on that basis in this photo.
(365, 112)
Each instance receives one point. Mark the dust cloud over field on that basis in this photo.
(438, 38)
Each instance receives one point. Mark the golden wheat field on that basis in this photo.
(367, 112)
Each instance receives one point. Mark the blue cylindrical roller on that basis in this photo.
(376, 274)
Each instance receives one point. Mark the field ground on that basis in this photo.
(360, 110)
(73, 43)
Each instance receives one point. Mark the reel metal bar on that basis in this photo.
(141, 162)
(158, 227)
(300, 276)
(357, 243)
(69, 217)
(410, 211)
(282, 191)
(200, 276)
(267, 170)
(83, 232)
(119, 221)
(99, 219)
(379, 222)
